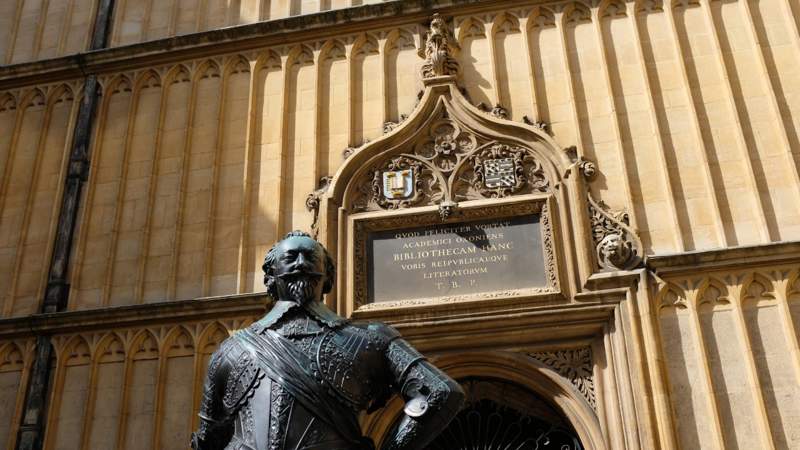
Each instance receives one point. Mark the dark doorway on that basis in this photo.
(504, 416)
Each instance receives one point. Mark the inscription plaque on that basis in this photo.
(470, 257)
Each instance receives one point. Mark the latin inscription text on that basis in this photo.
(471, 257)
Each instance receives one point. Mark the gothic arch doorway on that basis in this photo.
(512, 390)
(500, 415)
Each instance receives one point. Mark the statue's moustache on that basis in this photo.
(296, 273)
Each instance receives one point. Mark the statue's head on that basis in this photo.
(298, 269)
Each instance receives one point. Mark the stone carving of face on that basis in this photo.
(613, 251)
(610, 245)
(298, 270)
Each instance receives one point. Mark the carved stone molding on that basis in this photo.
(575, 365)
(450, 165)
(616, 246)
(745, 286)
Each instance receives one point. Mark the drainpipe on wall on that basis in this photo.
(32, 424)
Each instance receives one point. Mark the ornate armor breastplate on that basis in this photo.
(351, 360)
(310, 399)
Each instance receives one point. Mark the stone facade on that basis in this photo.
(214, 121)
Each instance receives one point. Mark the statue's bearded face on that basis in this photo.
(299, 270)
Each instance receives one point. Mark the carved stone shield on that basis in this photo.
(398, 184)
(499, 173)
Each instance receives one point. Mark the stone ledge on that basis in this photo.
(135, 315)
(286, 31)
(726, 258)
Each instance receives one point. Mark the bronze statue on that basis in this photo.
(298, 377)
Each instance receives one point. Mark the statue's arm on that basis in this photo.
(215, 428)
(432, 398)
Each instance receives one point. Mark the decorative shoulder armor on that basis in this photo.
(236, 375)
(387, 331)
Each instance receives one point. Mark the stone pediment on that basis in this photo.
(452, 152)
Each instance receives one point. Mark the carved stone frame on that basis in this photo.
(360, 225)
(565, 193)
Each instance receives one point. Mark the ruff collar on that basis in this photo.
(316, 309)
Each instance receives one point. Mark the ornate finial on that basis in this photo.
(439, 44)
(616, 246)
(313, 201)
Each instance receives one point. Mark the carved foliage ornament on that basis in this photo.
(438, 52)
(449, 165)
(575, 365)
(616, 245)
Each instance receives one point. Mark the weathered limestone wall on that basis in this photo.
(201, 164)
(131, 387)
(133, 374)
(35, 127)
(15, 361)
(39, 29)
(730, 346)
(145, 20)
(691, 111)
